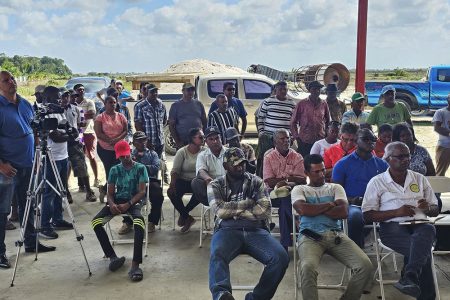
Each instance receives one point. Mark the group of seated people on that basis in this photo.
(359, 186)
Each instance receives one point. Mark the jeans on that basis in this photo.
(52, 203)
(285, 219)
(356, 225)
(228, 243)
(18, 187)
(414, 242)
(182, 187)
(347, 252)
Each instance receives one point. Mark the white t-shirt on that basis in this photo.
(383, 193)
(443, 115)
(59, 150)
(320, 146)
(86, 106)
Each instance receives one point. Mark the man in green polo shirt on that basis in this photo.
(389, 111)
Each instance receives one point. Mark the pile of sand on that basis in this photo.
(203, 66)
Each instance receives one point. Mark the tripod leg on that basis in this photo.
(63, 194)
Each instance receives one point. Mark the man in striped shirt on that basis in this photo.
(274, 113)
(223, 117)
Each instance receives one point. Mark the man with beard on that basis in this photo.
(242, 209)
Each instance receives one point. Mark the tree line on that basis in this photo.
(35, 68)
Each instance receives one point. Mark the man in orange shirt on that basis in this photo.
(347, 145)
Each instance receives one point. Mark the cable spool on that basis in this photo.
(325, 73)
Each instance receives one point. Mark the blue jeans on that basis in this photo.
(284, 219)
(228, 243)
(356, 224)
(19, 187)
(51, 202)
(414, 242)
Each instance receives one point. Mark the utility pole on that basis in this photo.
(361, 46)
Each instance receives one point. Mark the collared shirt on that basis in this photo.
(328, 192)
(312, 120)
(383, 194)
(88, 105)
(234, 103)
(16, 134)
(332, 155)
(223, 120)
(274, 114)
(210, 163)
(153, 119)
(351, 117)
(381, 114)
(354, 173)
(148, 158)
(250, 204)
(337, 108)
(278, 166)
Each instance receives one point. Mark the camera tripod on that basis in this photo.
(38, 180)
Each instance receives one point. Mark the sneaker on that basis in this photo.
(181, 221)
(115, 263)
(97, 183)
(187, 224)
(408, 285)
(102, 194)
(4, 262)
(226, 296)
(81, 189)
(48, 234)
(125, 228)
(10, 225)
(151, 227)
(90, 196)
(62, 225)
(41, 248)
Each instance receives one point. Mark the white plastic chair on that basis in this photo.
(145, 211)
(205, 223)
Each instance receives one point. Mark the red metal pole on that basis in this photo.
(361, 46)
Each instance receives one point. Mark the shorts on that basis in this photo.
(78, 160)
(90, 142)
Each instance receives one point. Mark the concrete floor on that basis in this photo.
(174, 269)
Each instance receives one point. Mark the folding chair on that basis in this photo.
(145, 211)
(339, 286)
(205, 223)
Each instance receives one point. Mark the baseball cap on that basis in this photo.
(139, 135)
(387, 88)
(357, 96)
(234, 155)
(315, 84)
(211, 130)
(151, 87)
(38, 89)
(188, 85)
(119, 82)
(231, 133)
(122, 148)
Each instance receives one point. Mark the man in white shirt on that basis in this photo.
(393, 198)
(52, 210)
(441, 122)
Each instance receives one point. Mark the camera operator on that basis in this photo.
(16, 160)
(74, 147)
(57, 142)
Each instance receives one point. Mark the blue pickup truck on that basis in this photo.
(418, 96)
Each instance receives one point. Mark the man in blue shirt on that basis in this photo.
(353, 173)
(16, 160)
(229, 90)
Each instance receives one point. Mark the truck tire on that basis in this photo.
(411, 105)
(169, 142)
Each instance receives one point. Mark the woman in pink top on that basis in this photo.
(110, 127)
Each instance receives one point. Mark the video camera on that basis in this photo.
(40, 123)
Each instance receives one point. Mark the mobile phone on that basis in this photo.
(311, 234)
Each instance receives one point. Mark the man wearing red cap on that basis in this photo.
(129, 178)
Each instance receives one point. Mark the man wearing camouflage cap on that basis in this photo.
(242, 208)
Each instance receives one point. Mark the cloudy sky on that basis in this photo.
(149, 35)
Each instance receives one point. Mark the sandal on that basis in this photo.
(116, 263)
(136, 274)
